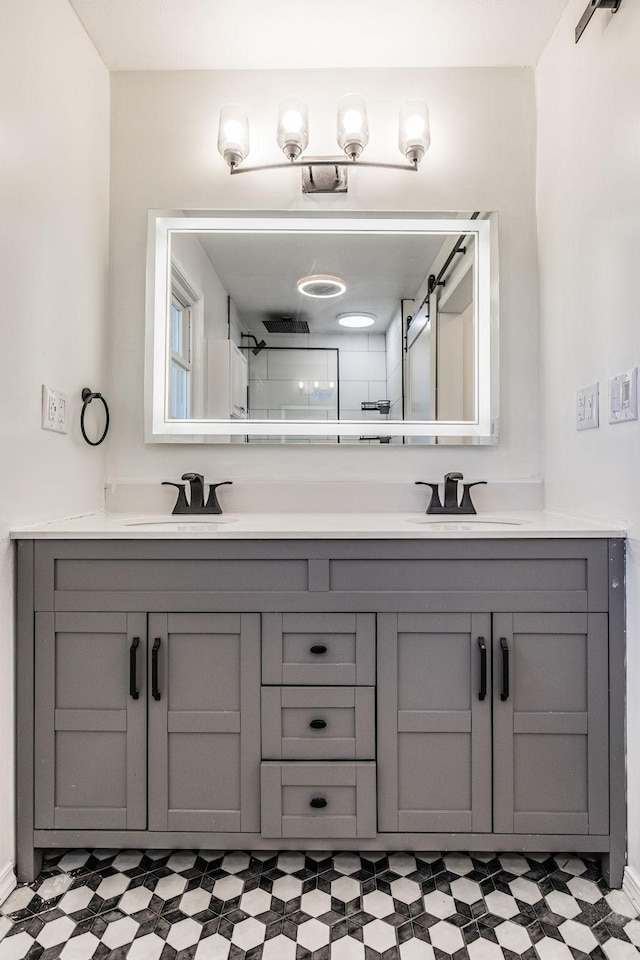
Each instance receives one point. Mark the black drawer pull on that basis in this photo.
(154, 669)
(483, 668)
(504, 646)
(133, 661)
(318, 802)
(318, 724)
(318, 648)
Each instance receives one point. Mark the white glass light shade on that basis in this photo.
(414, 135)
(233, 134)
(356, 319)
(353, 126)
(293, 127)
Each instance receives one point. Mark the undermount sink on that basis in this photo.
(205, 522)
(468, 522)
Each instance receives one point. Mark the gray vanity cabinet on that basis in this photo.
(393, 694)
(90, 744)
(493, 727)
(204, 722)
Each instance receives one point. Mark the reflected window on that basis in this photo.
(180, 369)
(183, 307)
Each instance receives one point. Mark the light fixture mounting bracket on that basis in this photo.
(324, 176)
(594, 5)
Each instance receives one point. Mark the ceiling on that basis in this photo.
(267, 34)
(260, 275)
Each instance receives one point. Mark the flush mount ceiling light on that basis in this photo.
(356, 319)
(324, 174)
(321, 286)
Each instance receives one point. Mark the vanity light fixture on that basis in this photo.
(356, 319)
(324, 174)
(321, 286)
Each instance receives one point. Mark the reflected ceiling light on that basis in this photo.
(324, 174)
(321, 286)
(356, 319)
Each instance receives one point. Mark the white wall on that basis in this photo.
(54, 186)
(589, 249)
(163, 154)
(198, 270)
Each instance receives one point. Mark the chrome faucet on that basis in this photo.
(451, 503)
(196, 503)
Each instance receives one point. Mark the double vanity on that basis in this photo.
(325, 681)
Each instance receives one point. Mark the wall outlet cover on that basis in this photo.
(55, 407)
(623, 396)
(588, 407)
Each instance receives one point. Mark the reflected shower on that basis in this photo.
(259, 346)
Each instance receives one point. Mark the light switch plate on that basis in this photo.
(623, 396)
(55, 407)
(588, 407)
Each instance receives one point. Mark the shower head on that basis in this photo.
(259, 346)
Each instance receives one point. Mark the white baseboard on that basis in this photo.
(631, 886)
(7, 881)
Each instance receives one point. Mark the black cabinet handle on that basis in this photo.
(318, 724)
(318, 802)
(133, 662)
(483, 669)
(504, 646)
(154, 669)
(318, 648)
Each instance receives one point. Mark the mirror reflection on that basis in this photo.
(365, 326)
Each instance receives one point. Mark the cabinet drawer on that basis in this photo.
(318, 723)
(337, 649)
(317, 800)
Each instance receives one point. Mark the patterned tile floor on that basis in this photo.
(210, 905)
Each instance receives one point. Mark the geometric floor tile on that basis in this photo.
(298, 905)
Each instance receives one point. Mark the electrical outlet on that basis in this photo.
(55, 406)
(623, 396)
(588, 407)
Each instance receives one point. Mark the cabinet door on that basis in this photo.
(204, 722)
(551, 723)
(90, 727)
(434, 730)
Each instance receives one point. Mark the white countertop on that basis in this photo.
(517, 525)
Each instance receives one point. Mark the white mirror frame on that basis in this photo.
(159, 428)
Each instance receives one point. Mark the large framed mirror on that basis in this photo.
(297, 328)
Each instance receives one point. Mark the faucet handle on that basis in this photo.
(466, 506)
(434, 505)
(181, 505)
(212, 505)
